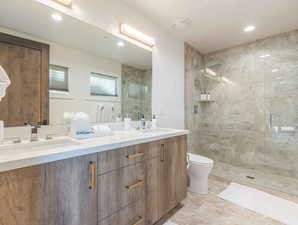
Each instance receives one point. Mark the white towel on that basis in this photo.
(4, 82)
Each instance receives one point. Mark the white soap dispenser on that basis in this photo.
(208, 96)
(154, 122)
(127, 121)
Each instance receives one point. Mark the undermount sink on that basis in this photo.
(39, 146)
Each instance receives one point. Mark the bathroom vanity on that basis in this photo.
(101, 181)
(133, 177)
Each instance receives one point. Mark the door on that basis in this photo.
(21, 196)
(71, 192)
(281, 107)
(26, 63)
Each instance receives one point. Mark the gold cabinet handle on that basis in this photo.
(131, 156)
(133, 186)
(92, 181)
(140, 220)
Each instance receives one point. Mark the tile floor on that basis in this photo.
(211, 210)
(272, 181)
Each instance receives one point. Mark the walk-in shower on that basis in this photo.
(251, 127)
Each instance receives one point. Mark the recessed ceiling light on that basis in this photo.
(249, 28)
(265, 56)
(57, 17)
(120, 43)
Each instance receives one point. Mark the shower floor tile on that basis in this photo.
(271, 181)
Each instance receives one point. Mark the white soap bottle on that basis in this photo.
(154, 122)
(204, 97)
(127, 121)
(208, 96)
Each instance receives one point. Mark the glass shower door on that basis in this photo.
(280, 62)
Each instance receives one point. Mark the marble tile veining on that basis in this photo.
(253, 122)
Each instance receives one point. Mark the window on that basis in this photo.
(105, 85)
(58, 78)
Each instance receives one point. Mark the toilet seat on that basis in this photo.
(199, 160)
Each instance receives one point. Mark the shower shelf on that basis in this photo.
(206, 101)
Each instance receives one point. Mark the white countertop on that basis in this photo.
(19, 156)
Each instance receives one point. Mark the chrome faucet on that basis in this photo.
(34, 131)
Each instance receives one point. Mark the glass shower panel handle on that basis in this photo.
(270, 120)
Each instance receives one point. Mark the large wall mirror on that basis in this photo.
(58, 64)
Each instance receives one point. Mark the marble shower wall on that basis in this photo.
(136, 92)
(253, 120)
(193, 63)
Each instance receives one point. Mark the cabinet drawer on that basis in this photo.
(119, 188)
(119, 158)
(133, 214)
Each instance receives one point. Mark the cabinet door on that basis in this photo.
(71, 192)
(172, 174)
(21, 196)
(181, 169)
(152, 188)
(166, 186)
(171, 162)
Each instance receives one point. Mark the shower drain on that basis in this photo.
(250, 177)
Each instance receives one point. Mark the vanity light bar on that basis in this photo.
(136, 35)
(67, 3)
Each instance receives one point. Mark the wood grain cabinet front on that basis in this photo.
(120, 158)
(166, 177)
(119, 188)
(22, 196)
(71, 192)
(133, 214)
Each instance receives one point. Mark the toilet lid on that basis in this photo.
(198, 159)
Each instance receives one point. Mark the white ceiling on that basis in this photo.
(218, 24)
(33, 18)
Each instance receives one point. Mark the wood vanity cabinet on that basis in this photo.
(135, 185)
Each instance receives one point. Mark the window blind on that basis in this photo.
(58, 78)
(105, 85)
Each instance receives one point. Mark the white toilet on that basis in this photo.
(199, 168)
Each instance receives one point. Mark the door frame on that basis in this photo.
(45, 61)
